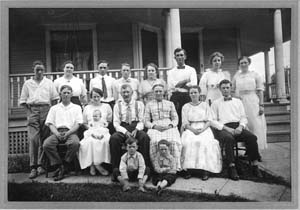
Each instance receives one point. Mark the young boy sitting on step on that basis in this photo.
(132, 167)
(164, 167)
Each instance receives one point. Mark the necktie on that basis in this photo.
(180, 67)
(104, 89)
(128, 115)
(227, 99)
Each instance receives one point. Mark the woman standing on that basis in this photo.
(94, 151)
(79, 90)
(209, 82)
(248, 86)
(200, 149)
(151, 78)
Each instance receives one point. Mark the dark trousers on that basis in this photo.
(117, 140)
(132, 175)
(228, 140)
(37, 132)
(110, 126)
(179, 99)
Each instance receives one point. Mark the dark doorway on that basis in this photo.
(71, 45)
(149, 47)
(190, 43)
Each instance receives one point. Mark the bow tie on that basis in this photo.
(180, 67)
(227, 99)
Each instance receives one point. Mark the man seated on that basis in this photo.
(63, 120)
(128, 122)
(132, 167)
(230, 122)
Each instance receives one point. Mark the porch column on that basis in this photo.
(267, 75)
(278, 52)
(168, 42)
(173, 35)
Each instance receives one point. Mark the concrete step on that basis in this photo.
(277, 115)
(280, 125)
(278, 136)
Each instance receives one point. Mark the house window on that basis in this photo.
(64, 42)
(71, 45)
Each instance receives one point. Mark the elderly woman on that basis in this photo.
(248, 86)
(161, 119)
(79, 90)
(94, 149)
(212, 77)
(200, 149)
(151, 78)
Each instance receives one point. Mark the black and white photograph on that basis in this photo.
(150, 105)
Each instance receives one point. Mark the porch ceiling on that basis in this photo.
(256, 25)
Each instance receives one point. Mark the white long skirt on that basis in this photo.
(201, 151)
(94, 151)
(256, 123)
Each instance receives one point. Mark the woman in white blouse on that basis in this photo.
(248, 86)
(79, 90)
(212, 77)
(151, 78)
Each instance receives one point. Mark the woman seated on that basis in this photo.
(200, 149)
(161, 119)
(94, 147)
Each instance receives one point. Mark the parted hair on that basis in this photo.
(130, 140)
(216, 54)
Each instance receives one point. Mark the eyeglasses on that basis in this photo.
(102, 68)
(244, 62)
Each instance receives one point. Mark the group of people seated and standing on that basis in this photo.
(148, 129)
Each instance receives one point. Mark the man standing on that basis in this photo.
(63, 120)
(128, 122)
(180, 78)
(230, 122)
(126, 79)
(105, 83)
(37, 96)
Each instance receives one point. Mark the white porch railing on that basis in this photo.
(17, 80)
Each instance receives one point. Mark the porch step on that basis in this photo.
(278, 136)
(277, 115)
(279, 125)
(274, 107)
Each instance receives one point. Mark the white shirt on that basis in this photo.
(209, 83)
(175, 75)
(109, 82)
(228, 111)
(76, 84)
(64, 116)
(134, 83)
(135, 117)
(42, 93)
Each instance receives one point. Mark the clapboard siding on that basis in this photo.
(26, 45)
(224, 41)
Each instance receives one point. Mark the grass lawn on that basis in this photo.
(103, 193)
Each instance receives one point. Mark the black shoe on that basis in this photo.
(56, 172)
(256, 172)
(61, 174)
(185, 174)
(233, 173)
(205, 175)
(158, 191)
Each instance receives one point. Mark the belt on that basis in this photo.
(62, 129)
(37, 105)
